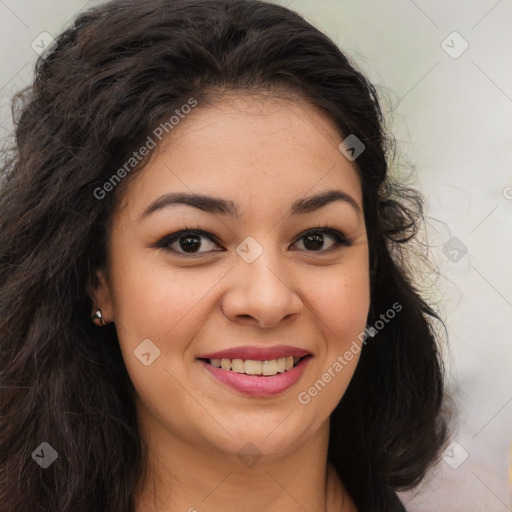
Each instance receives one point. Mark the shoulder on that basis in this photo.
(398, 506)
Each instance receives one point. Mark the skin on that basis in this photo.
(262, 153)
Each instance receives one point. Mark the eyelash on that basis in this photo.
(339, 238)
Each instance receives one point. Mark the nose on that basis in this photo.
(261, 292)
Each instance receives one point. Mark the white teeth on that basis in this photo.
(252, 367)
(238, 365)
(269, 367)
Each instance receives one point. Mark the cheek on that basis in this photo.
(168, 307)
(342, 308)
(153, 300)
(341, 300)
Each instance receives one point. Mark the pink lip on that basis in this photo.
(257, 353)
(258, 385)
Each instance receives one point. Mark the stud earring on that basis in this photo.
(97, 318)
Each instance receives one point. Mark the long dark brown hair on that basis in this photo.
(115, 75)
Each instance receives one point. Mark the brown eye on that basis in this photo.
(314, 240)
(188, 242)
(196, 242)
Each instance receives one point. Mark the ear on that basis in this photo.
(99, 290)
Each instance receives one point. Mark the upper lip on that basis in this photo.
(257, 353)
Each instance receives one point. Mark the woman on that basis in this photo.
(205, 303)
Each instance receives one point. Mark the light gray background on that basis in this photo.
(452, 119)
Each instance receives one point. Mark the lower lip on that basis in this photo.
(258, 385)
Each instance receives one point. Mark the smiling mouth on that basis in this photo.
(259, 368)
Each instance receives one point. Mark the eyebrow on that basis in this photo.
(216, 205)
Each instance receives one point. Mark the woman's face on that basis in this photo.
(257, 281)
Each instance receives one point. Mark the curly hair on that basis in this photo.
(109, 80)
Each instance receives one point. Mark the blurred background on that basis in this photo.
(443, 71)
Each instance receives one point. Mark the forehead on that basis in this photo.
(255, 149)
